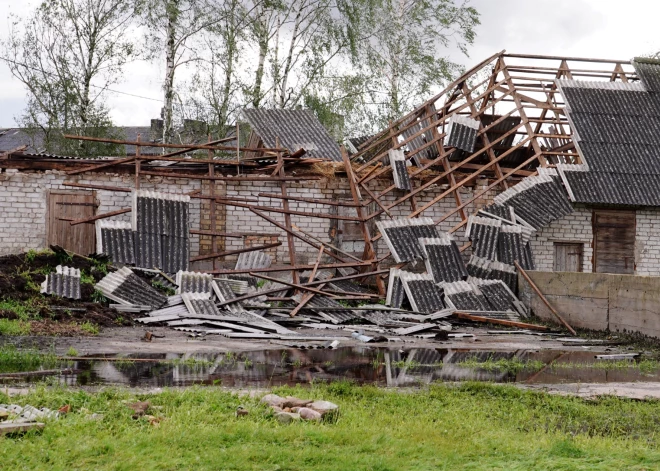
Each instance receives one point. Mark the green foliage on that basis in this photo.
(99, 297)
(72, 352)
(86, 278)
(90, 328)
(13, 360)
(24, 310)
(14, 327)
(165, 289)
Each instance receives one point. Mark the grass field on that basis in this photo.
(470, 427)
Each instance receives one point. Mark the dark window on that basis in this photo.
(568, 256)
(614, 242)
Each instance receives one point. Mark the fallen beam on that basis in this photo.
(543, 298)
(100, 216)
(234, 252)
(523, 325)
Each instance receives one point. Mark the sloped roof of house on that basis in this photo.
(296, 129)
(616, 131)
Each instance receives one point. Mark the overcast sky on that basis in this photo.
(605, 29)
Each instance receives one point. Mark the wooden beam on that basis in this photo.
(523, 325)
(98, 187)
(228, 179)
(100, 216)
(543, 298)
(234, 252)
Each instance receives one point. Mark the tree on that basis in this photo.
(67, 54)
(173, 28)
(405, 58)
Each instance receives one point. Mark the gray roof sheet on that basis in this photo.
(295, 129)
(617, 132)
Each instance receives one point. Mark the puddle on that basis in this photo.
(364, 365)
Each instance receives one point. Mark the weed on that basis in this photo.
(89, 328)
(166, 289)
(86, 278)
(247, 362)
(72, 352)
(411, 365)
(14, 327)
(24, 310)
(12, 359)
(99, 297)
(261, 283)
(32, 254)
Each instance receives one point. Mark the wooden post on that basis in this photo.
(369, 253)
(137, 163)
(287, 215)
(212, 204)
(545, 301)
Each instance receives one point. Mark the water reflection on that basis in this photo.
(364, 365)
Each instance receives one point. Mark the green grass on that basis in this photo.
(13, 360)
(470, 427)
(14, 327)
(516, 365)
(72, 352)
(90, 328)
(24, 310)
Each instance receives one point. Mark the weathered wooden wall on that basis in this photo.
(598, 301)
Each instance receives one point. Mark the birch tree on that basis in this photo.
(67, 54)
(173, 31)
(406, 57)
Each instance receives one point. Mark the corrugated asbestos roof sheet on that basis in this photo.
(465, 296)
(399, 169)
(65, 282)
(616, 130)
(126, 287)
(462, 133)
(402, 237)
(422, 292)
(443, 259)
(395, 291)
(295, 129)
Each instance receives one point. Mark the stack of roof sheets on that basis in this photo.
(538, 199)
(443, 259)
(483, 232)
(65, 282)
(399, 170)
(497, 293)
(464, 296)
(423, 293)
(200, 303)
(402, 237)
(161, 221)
(126, 287)
(511, 247)
(193, 282)
(462, 133)
(479, 267)
(115, 239)
(224, 293)
(336, 315)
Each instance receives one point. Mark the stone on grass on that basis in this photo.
(291, 401)
(287, 417)
(273, 400)
(309, 414)
(324, 407)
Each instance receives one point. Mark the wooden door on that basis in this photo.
(64, 206)
(614, 241)
(568, 256)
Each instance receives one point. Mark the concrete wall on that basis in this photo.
(618, 303)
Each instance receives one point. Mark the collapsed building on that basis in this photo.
(533, 162)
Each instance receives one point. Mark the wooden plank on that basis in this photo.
(10, 428)
(523, 325)
(98, 187)
(234, 252)
(91, 219)
(169, 146)
(227, 179)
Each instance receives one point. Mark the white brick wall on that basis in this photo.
(575, 227)
(647, 246)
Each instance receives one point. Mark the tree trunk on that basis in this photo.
(170, 56)
(262, 35)
(289, 58)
